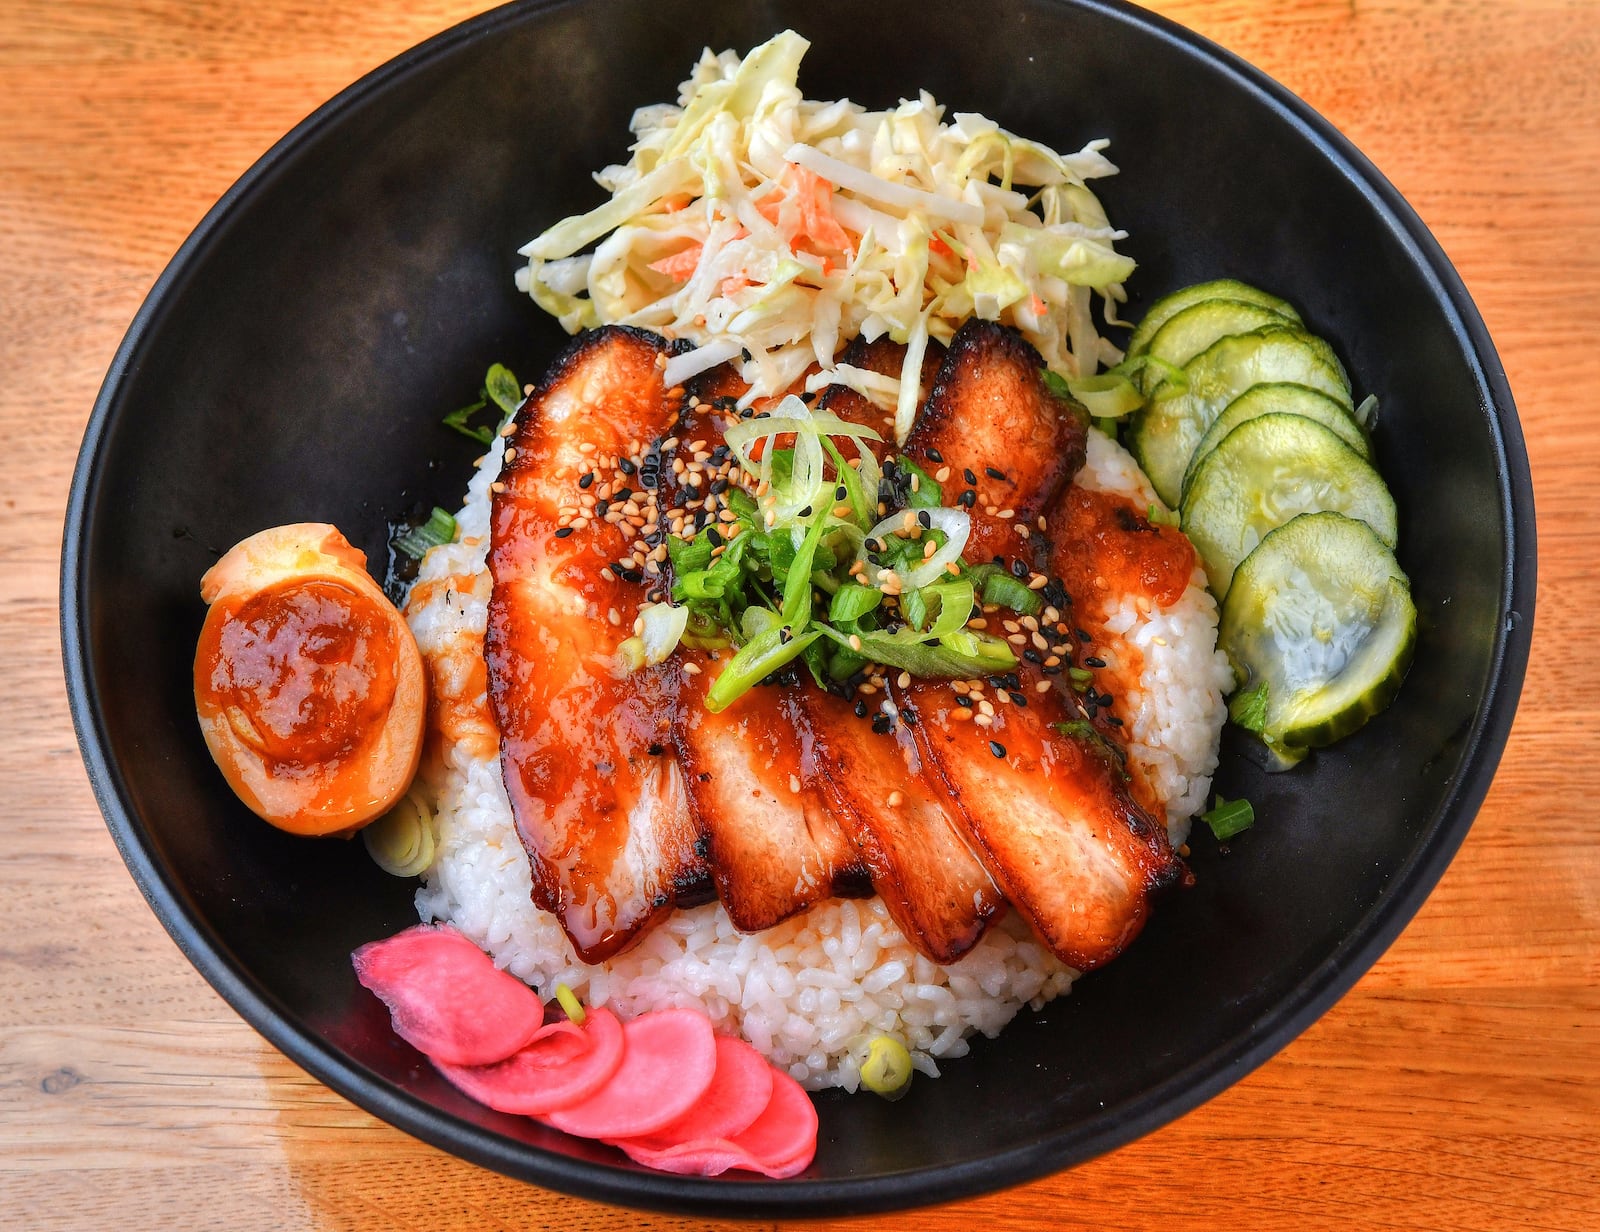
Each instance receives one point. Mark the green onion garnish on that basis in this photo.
(887, 1069)
(1229, 817)
(1249, 708)
(1001, 588)
(853, 601)
(1157, 516)
(503, 389)
(570, 1005)
(500, 387)
(440, 528)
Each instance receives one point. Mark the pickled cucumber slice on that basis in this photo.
(1163, 436)
(1267, 471)
(1196, 327)
(1168, 306)
(1279, 398)
(1320, 628)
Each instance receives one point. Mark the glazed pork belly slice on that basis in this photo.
(1103, 546)
(598, 797)
(906, 825)
(773, 845)
(1050, 816)
(1041, 795)
(886, 357)
(990, 416)
(856, 782)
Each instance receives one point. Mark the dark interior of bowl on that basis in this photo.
(294, 364)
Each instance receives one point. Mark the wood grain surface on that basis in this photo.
(1457, 1087)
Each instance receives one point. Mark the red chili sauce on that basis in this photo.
(1105, 546)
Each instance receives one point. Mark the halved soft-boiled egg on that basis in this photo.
(307, 681)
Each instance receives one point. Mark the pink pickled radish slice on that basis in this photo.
(446, 996)
(739, 1092)
(564, 1066)
(668, 1060)
(784, 1136)
(781, 1142)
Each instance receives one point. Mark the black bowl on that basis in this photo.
(292, 364)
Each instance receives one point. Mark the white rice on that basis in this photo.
(811, 992)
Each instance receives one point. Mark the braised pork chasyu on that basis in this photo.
(630, 794)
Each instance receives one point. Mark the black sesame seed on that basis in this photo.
(626, 466)
(744, 353)
(1093, 661)
(563, 532)
(963, 700)
(1113, 720)
(656, 750)
(922, 516)
(935, 456)
(1053, 671)
(1082, 636)
(711, 534)
(808, 397)
(622, 494)
(805, 513)
(968, 499)
(601, 508)
(861, 709)
(747, 413)
(1019, 570)
(1032, 655)
(998, 749)
(841, 492)
(1020, 699)
(881, 723)
(718, 487)
(994, 472)
(969, 476)
(586, 480)
(630, 575)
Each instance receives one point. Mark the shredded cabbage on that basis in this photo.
(770, 228)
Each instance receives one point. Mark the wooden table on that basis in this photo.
(1458, 1085)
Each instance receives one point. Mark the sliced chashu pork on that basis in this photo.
(586, 749)
(1005, 439)
(773, 845)
(907, 826)
(896, 809)
(1045, 807)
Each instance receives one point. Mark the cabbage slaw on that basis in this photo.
(770, 230)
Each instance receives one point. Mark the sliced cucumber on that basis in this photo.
(1167, 307)
(1267, 471)
(1320, 629)
(1192, 330)
(1164, 434)
(1280, 398)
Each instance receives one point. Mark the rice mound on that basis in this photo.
(811, 992)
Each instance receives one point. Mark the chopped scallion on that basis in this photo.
(570, 1005)
(1001, 588)
(1229, 817)
(440, 528)
(852, 601)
